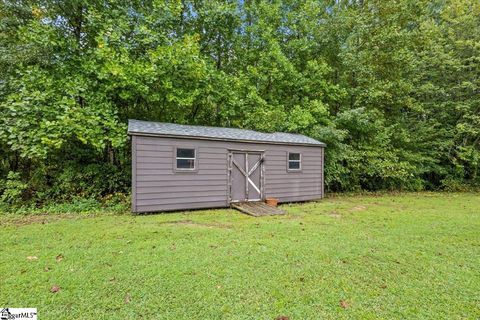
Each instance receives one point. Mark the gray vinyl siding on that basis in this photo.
(156, 186)
(134, 174)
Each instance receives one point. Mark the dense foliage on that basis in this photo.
(391, 86)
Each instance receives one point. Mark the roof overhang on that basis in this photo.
(160, 135)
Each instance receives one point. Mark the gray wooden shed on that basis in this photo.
(178, 167)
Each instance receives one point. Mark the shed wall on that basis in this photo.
(157, 187)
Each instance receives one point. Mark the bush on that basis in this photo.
(117, 203)
(452, 184)
(85, 181)
(13, 190)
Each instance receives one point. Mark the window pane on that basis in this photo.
(185, 164)
(294, 156)
(185, 153)
(294, 165)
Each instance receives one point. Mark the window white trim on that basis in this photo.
(299, 161)
(175, 161)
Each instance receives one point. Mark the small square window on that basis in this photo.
(185, 159)
(294, 161)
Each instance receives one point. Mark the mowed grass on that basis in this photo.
(414, 256)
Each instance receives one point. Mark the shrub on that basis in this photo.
(14, 188)
(117, 203)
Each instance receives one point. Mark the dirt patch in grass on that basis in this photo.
(39, 219)
(198, 224)
(358, 208)
(335, 214)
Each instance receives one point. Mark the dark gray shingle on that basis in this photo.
(216, 133)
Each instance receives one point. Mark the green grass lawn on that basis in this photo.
(414, 256)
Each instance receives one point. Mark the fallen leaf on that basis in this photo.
(46, 269)
(344, 304)
(282, 318)
(59, 257)
(54, 289)
(32, 258)
(128, 298)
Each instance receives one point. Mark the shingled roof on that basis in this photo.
(137, 127)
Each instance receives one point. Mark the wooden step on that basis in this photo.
(257, 208)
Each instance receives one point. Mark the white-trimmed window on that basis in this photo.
(186, 159)
(294, 162)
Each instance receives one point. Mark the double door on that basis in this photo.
(246, 176)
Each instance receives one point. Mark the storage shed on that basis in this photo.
(187, 167)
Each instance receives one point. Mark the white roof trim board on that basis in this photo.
(138, 127)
